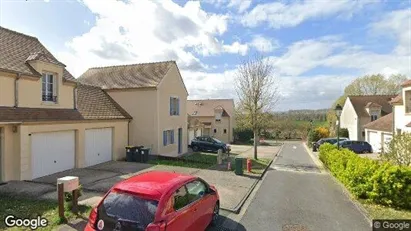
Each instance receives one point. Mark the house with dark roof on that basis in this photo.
(154, 94)
(361, 110)
(402, 109)
(379, 133)
(217, 117)
(48, 122)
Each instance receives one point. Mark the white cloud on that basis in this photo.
(242, 5)
(263, 44)
(278, 14)
(144, 31)
(398, 25)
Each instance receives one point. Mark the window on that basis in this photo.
(363, 134)
(174, 106)
(129, 207)
(196, 189)
(168, 137)
(180, 198)
(407, 102)
(215, 130)
(225, 131)
(48, 84)
(374, 117)
(398, 131)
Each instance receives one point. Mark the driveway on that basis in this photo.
(296, 195)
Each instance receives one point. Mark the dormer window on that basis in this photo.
(374, 117)
(49, 88)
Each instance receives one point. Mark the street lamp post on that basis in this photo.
(338, 110)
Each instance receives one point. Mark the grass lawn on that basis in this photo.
(384, 212)
(207, 160)
(26, 208)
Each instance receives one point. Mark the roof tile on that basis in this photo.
(127, 76)
(360, 103)
(382, 124)
(16, 48)
(206, 107)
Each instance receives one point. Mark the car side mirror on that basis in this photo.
(211, 191)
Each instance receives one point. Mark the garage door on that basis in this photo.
(98, 146)
(386, 139)
(375, 141)
(52, 152)
(198, 133)
(190, 136)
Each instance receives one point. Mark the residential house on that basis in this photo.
(195, 128)
(379, 132)
(402, 109)
(217, 116)
(361, 110)
(49, 123)
(155, 96)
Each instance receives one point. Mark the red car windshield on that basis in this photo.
(126, 210)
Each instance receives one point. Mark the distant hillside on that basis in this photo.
(304, 115)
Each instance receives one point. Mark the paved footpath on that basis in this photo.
(296, 195)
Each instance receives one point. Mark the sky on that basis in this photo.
(317, 47)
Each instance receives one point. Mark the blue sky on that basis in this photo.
(317, 47)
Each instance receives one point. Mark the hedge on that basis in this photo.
(379, 182)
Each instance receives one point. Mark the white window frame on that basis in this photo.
(53, 90)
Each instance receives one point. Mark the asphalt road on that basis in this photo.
(294, 195)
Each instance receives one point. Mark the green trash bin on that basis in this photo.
(130, 150)
(238, 166)
(144, 154)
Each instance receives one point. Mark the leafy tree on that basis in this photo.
(399, 150)
(257, 90)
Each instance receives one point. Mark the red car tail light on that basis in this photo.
(93, 217)
(161, 226)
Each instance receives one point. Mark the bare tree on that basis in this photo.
(257, 90)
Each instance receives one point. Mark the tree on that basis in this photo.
(399, 150)
(368, 85)
(257, 90)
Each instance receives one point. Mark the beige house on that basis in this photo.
(49, 123)
(361, 110)
(155, 96)
(379, 133)
(217, 116)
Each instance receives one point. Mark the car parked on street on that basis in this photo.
(356, 146)
(207, 143)
(316, 145)
(157, 201)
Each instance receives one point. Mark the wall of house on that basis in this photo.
(219, 126)
(7, 89)
(30, 89)
(172, 85)
(349, 120)
(141, 104)
(401, 118)
(361, 131)
(9, 153)
(120, 128)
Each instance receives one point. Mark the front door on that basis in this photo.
(180, 139)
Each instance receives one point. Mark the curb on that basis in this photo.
(237, 209)
(347, 193)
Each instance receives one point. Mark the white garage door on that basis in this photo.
(98, 146)
(190, 136)
(198, 133)
(386, 139)
(375, 141)
(52, 152)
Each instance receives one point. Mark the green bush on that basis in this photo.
(344, 132)
(243, 135)
(379, 182)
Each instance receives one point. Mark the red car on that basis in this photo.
(157, 201)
